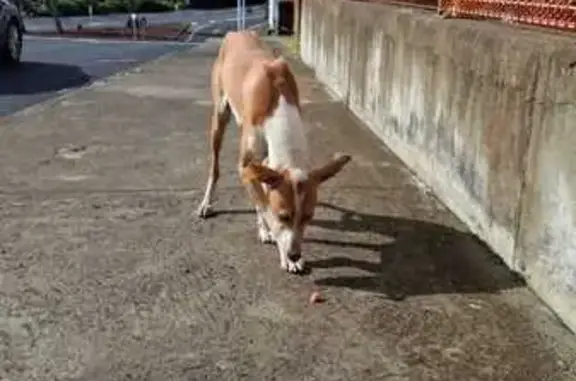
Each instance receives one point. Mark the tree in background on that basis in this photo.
(57, 9)
(133, 5)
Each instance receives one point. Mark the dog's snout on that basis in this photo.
(294, 257)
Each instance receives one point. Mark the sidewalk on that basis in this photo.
(106, 273)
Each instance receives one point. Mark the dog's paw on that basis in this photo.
(204, 210)
(294, 267)
(265, 236)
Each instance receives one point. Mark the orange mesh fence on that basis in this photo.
(549, 13)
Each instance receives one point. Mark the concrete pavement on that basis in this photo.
(106, 274)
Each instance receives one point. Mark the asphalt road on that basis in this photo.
(51, 66)
(218, 28)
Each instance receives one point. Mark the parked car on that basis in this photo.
(11, 31)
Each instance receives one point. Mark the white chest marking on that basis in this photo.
(286, 137)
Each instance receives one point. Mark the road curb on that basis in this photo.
(103, 40)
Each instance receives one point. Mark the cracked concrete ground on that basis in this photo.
(106, 274)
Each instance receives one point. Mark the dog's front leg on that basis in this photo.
(264, 233)
(251, 150)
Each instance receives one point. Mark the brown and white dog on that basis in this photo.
(259, 89)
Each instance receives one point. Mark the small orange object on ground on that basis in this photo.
(316, 297)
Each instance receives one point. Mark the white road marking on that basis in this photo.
(116, 60)
(259, 25)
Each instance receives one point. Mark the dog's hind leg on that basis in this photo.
(220, 117)
(221, 112)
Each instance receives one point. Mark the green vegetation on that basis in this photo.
(292, 44)
(80, 7)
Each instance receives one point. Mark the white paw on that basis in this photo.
(265, 236)
(295, 267)
(205, 210)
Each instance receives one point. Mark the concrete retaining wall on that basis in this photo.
(485, 114)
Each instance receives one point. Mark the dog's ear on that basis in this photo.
(328, 170)
(262, 174)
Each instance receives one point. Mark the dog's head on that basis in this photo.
(291, 197)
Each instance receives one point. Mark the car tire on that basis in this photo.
(11, 51)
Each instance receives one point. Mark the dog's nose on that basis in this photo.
(294, 257)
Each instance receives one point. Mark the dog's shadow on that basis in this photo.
(424, 258)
